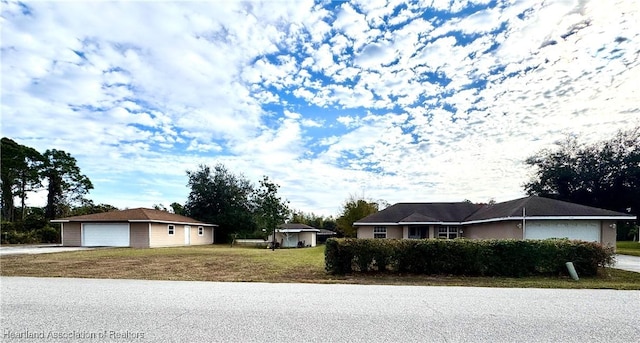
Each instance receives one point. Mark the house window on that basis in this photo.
(379, 232)
(200, 231)
(448, 232)
(171, 229)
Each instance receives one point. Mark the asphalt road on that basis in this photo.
(92, 310)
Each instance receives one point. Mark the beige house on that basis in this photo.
(295, 235)
(526, 218)
(136, 228)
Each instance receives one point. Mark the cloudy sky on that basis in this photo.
(421, 101)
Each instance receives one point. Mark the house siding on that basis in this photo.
(139, 235)
(206, 238)
(71, 236)
(159, 236)
(608, 233)
(309, 238)
(496, 230)
(367, 231)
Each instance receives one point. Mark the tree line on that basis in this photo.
(603, 174)
(217, 195)
(24, 171)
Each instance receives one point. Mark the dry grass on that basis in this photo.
(221, 263)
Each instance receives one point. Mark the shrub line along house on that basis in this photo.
(525, 218)
(136, 228)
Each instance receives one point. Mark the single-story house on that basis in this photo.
(525, 218)
(292, 235)
(136, 228)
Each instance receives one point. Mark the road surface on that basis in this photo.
(95, 310)
(628, 262)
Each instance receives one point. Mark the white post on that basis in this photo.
(524, 224)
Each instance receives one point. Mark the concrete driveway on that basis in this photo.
(628, 262)
(36, 249)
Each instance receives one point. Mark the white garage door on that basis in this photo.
(105, 235)
(585, 230)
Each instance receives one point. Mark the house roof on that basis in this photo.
(326, 232)
(296, 227)
(134, 215)
(535, 206)
(465, 212)
(422, 212)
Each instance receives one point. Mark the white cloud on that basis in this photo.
(423, 112)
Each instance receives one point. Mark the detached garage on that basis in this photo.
(136, 228)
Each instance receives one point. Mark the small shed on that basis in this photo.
(295, 235)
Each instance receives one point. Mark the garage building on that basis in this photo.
(136, 228)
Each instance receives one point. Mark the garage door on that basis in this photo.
(105, 235)
(585, 230)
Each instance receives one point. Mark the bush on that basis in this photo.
(465, 257)
(48, 234)
(18, 237)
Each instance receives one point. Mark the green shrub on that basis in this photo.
(48, 234)
(465, 257)
(18, 237)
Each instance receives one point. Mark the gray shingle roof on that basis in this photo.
(540, 207)
(414, 212)
(459, 212)
(134, 214)
(295, 226)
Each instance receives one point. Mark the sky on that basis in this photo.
(399, 101)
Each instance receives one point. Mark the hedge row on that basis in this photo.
(46, 234)
(465, 257)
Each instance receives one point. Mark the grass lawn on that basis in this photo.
(628, 248)
(222, 263)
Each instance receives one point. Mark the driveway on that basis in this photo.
(628, 262)
(98, 310)
(36, 249)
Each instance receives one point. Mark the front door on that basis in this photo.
(187, 235)
(418, 232)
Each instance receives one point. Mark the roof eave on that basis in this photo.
(374, 223)
(166, 222)
(490, 220)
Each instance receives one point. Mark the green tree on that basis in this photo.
(604, 174)
(160, 207)
(21, 167)
(66, 185)
(270, 209)
(312, 219)
(220, 197)
(353, 210)
(87, 206)
(177, 208)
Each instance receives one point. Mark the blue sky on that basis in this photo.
(420, 101)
